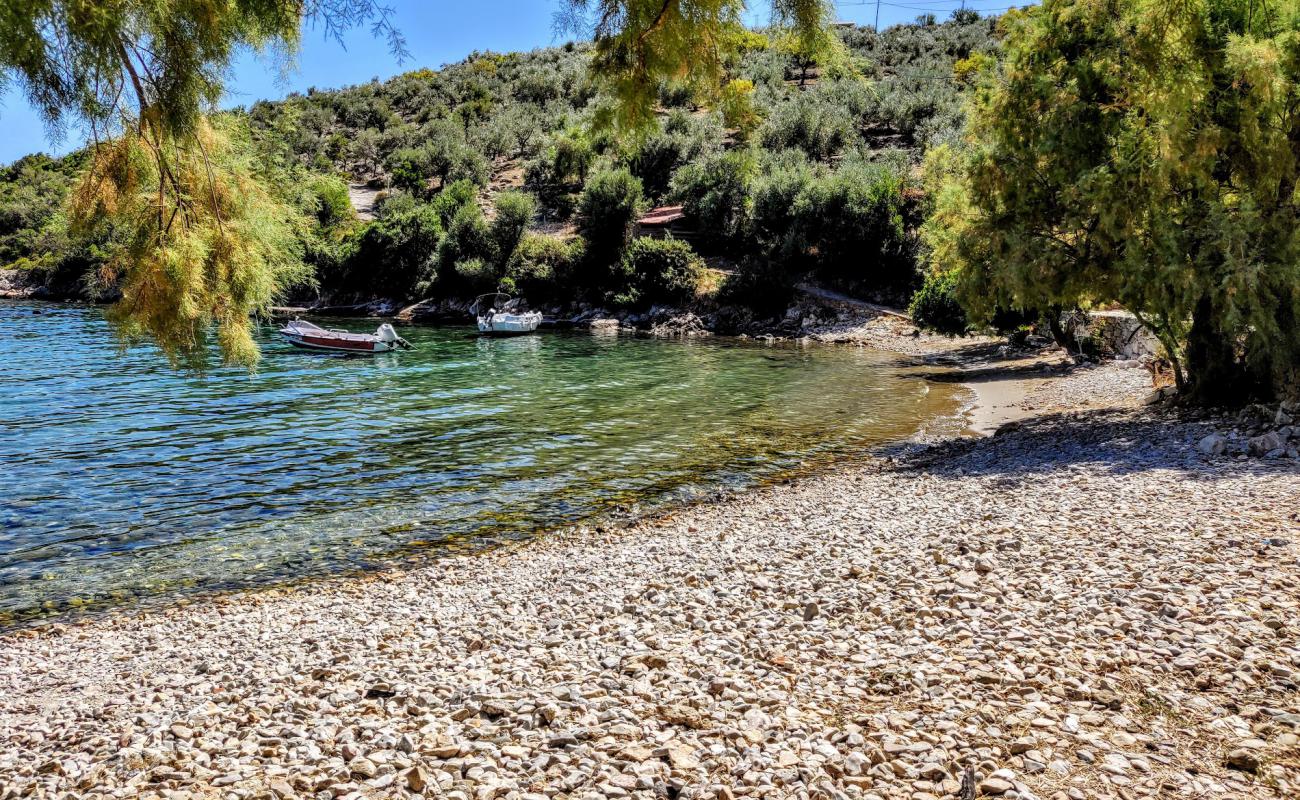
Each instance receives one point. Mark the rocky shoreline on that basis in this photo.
(1084, 605)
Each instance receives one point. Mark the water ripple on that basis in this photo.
(127, 478)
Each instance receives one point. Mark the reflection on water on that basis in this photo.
(127, 478)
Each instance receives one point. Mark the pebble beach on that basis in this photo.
(1083, 605)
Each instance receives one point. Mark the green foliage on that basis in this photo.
(1134, 152)
(808, 122)
(607, 209)
(779, 218)
(514, 213)
(438, 136)
(541, 267)
(557, 175)
(760, 284)
(853, 220)
(468, 239)
(390, 255)
(329, 201)
(716, 195)
(227, 253)
(657, 271)
(683, 140)
(192, 239)
(936, 307)
(448, 203)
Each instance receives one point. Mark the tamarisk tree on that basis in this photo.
(643, 43)
(1144, 152)
(194, 239)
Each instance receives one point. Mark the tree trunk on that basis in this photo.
(1215, 375)
(1054, 326)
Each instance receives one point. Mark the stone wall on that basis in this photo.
(1115, 333)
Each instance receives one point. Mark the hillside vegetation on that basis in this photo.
(495, 172)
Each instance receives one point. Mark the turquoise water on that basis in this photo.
(129, 479)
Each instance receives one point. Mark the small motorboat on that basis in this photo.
(310, 336)
(499, 314)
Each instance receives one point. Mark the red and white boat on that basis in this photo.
(310, 336)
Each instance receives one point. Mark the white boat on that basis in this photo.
(311, 336)
(499, 314)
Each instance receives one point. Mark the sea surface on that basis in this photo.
(126, 478)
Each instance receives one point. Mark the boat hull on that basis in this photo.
(509, 325)
(328, 344)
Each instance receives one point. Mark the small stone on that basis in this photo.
(362, 767)
(1215, 444)
(416, 779)
(995, 786)
(1243, 759)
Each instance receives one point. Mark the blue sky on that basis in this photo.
(437, 32)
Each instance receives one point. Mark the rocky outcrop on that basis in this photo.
(1261, 431)
(18, 284)
(1117, 334)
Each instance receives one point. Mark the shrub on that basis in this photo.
(657, 271)
(476, 276)
(784, 180)
(812, 122)
(541, 263)
(715, 194)
(760, 284)
(332, 206)
(468, 239)
(853, 221)
(935, 306)
(390, 255)
(514, 212)
(448, 203)
(607, 210)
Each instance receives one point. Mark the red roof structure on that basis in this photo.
(662, 216)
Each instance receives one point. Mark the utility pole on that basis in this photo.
(876, 26)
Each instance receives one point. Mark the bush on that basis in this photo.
(448, 203)
(812, 122)
(607, 209)
(541, 263)
(760, 284)
(657, 271)
(514, 212)
(784, 180)
(468, 239)
(715, 195)
(331, 204)
(853, 221)
(935, 307)
(391, 255)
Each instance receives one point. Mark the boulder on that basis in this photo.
(1216, 444)
(1267, 443)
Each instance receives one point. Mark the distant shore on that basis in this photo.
(1085, 605)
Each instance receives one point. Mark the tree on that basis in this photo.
(607, 210)
(391, 255)
(642, 43)
(196, 240)
(1147, 153)
(514, 212)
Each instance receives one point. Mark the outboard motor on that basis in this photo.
(386, 334)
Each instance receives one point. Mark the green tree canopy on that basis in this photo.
(1144, 152)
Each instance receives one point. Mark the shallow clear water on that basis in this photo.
(126, 478)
